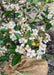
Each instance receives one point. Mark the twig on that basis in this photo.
(2, 7)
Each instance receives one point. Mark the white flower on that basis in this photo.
(52, 12)
(11, 6)
(47, 38)
(23, 19)
(42, 46)
(21, 1)
(5, 34)
(18, 32)
(20, 15)
(1, 27)
(49, 16)
(31, 53)
(42, 28)
(20, 49)
(28, 28)
(11, 25)
(40, 39)
(1, 53)
(13, 37)
(35, 32)
(27, 48)
(39, 3)
(39, 56)
(39, 52)
(23, 40)
(12, 31)
(3, 49)
(23, 27)
(22, 45)
(16, 7)
(32, 37)
(8, 44)
(52, 22)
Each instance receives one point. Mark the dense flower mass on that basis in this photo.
(28, 40)
(13, 7)
(51, 15)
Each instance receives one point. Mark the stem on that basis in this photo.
(2, 7)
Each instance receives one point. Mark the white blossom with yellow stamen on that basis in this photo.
(27, 48)
(35, 32)
(3, 49)
(11, 25)
(13, 37)
(31, 53)
(42, 46)
(20, 49)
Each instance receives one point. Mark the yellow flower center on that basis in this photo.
(28, 47)
(32, 36)
(13, 36)
(30, 53)
(42, 46)
(34, 31)
(10, 25)
(3, 49)
(24, 52)
(12, 32)
(39, 55)
(19, 49)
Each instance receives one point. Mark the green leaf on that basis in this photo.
(33, 4)
(1, 38)
(13, 44)
(45, 19)
(4, 58)
(48, 26)
(29, 42)
(28, 10)
(13, 16)
(24, 7)
(18, 27)
(16, 59)
(43, 57)
(11, 50)
(1, 42)
(44, 36)
(18, 35)
(31, 1)
(46, 12)
(34, 23)
(32, 26)
(28, 34)
(4, 30)
(7, 13)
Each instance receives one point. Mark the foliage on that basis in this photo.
(19, 36)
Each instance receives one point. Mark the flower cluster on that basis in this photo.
(13, 7)
(51, 15)
(30, 41)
